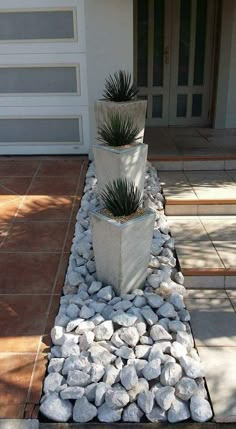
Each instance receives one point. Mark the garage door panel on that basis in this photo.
(43, 77)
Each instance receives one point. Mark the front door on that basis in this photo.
(174, 55)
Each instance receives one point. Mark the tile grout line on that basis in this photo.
(54, 285)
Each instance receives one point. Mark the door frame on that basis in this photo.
(211, 65)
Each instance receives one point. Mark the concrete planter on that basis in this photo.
(136, 109)
(127, 162)
(122, 250)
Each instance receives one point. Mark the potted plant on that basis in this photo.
(119, 154)
(122, 237)
(119, 96)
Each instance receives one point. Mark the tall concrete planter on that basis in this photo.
(124, 162)
(122, 250)
(136, 109)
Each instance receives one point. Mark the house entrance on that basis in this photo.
(174, 56)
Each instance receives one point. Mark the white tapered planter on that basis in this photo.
(136, 109)
(120, 162)
(122, 250)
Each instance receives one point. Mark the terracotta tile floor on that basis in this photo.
(39, 199)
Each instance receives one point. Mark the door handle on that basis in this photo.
(167, 55)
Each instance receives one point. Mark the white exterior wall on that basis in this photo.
(109, 42)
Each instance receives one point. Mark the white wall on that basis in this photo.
(109, 43)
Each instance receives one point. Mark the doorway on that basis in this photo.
(174, 57)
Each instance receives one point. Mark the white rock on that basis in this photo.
(132, 413)
(177, 350)
(123, 305)
(97, 372)
(141, 328)
(56, 364)
(146, 340)
(69, 348)
(184, 315)
(86, 340)
(158, 349)
(100, 393)
(111, 375)
(145, 401)
(140, 301)
(116, 399)
(149, 315)
(72, 311)
(177, 301)
(142, 351)
(104, 331)
(56, 409)
(125, 353)
(152, 369)
(192, 367)
(178, 411)
(90, 391)
(115, 339)
(158, 333)
(74, 278)
(141, 386)
(76, 362)
(84, 411)
(200, 409)
(62, 320)
(179, 278)
(101, 355)
(86, 312)
(124, 319)
(128, 377)
(171, 374)
(53, 382)
(108, 415)
(176, 326)
(57, 335)
(74, 392)
(167, 310)
(186, 388)
(130, 336)
(154, 300)
(78, 378)
(157, 415)
(73, 324)
(155, 279)
(97, 319)
(165, 396)
(185, 339)
(105, 293)
(94, 287)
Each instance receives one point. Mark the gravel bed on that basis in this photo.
(129, 358)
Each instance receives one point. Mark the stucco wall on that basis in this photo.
(109, 42)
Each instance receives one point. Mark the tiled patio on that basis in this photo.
(39, 199)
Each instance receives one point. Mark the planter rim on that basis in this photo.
(104, 100)
(147, 213)
(117, 149)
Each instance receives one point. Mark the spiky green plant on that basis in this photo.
(118, 130)
(119, 87)
(121, 197)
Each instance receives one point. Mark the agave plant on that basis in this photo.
(118, 130)
(119, 87)
(121, 197)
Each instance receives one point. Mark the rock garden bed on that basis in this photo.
(127, 358)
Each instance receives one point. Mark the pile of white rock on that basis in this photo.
(129, 358)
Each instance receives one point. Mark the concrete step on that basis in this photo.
(199, 193)
(206, 250)
(198, 163)
(213, 322)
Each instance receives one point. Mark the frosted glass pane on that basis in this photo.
(184, 42)
(43, 130)
(142, 43)
(182, 105)
(197, 105)
(157, 106)
(15, 80)
(36, 25)
(159, 20)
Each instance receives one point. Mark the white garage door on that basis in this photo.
(43, 78)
